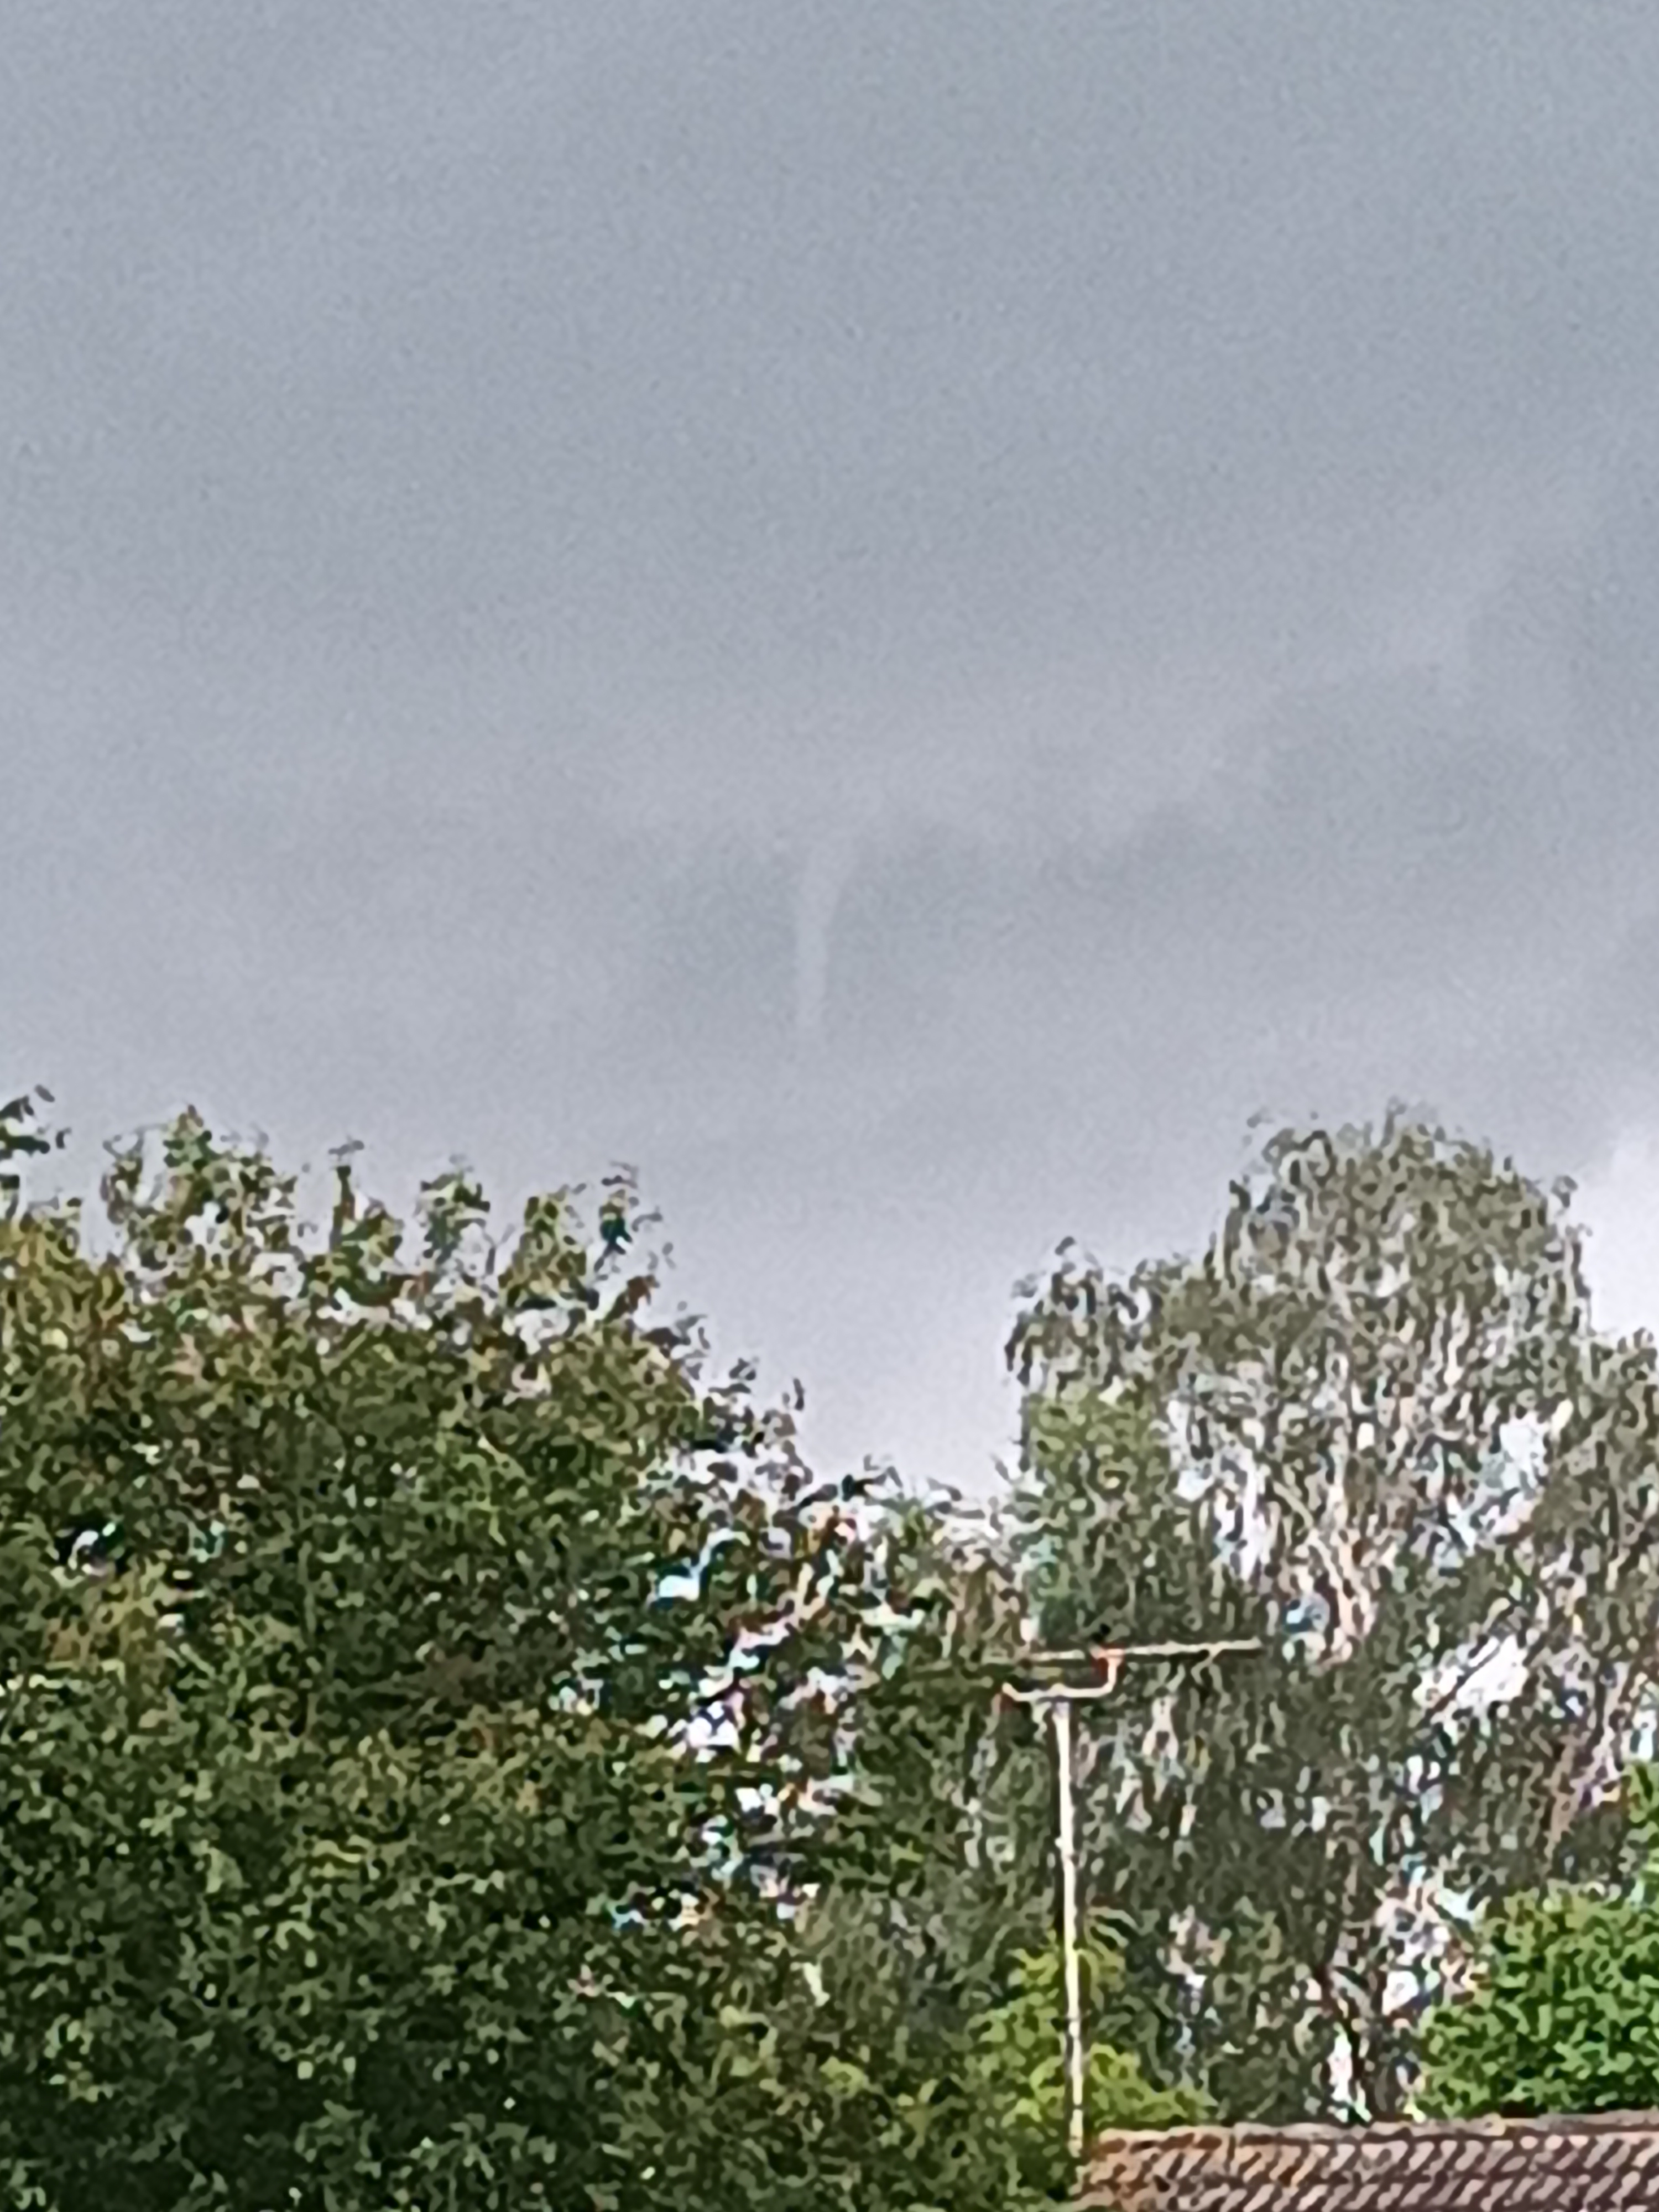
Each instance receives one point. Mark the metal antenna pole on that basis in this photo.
(1074, 2057)
(1058, 1697)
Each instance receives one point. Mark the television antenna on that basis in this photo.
(1046, 1689)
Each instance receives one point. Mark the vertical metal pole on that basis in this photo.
(1068, 1930)
(1056, 1698)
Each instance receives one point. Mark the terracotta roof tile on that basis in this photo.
(1607, 2163)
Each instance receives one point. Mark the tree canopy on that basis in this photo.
(456, 1754)
(453, 1753)
(1370, 1423)
(1560, 2010)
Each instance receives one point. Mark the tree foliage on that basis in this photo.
(428, 1713)
(1561, 2010)
(456, 1754)
(1020, 2063)
(1370, 1423)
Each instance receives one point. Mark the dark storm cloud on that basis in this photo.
(901, 615)
(802, 336)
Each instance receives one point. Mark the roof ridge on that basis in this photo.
(1645, 2121)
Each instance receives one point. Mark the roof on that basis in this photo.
(1606, 2163)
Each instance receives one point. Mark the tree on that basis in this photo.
(427, 1722)
(1019, 2062)
(1561, 2011)
(1370, 1423)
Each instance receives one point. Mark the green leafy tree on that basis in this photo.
(1561, 2010)
(428, 1713)
(1020, 2062)
(1370, 1423)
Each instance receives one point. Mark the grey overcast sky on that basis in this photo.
(899, 614)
